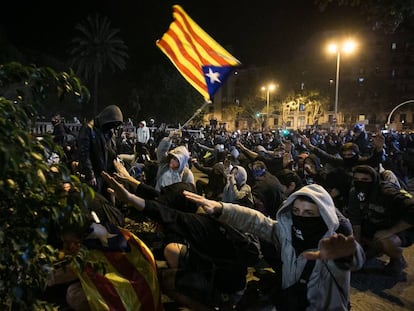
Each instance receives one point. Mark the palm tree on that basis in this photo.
(96, 47)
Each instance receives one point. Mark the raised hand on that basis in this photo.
(209, 206)
(120, 169)
(334, 247)
(305, 140)
(116, 188)
(123, 176)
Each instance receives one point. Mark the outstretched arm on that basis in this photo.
(209, 206)
(123, 176)
(249, 153)
(122, 194)
(335, 247)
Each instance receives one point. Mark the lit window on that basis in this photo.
(393, 46)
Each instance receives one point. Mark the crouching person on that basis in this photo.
(383, 217)
(317, 261)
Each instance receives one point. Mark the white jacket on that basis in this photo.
(143, 133)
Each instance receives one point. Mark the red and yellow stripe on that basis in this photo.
(130, 280)
(190, 48)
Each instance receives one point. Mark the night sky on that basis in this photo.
(258, 31)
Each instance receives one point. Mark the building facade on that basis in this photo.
(373, 82)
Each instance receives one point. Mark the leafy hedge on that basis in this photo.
(33, 203)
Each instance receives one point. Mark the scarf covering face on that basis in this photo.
(306, 232)
(258, 172)
(363, 189)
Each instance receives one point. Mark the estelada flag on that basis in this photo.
(203, 62)
(128, 281)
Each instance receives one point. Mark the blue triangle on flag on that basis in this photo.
(215, 77)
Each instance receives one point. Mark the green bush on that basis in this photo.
(33, 204)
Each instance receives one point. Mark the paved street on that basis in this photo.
(375, 291)
(371, 290)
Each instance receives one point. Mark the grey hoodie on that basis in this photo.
(233, 194)
(323, 292)
(167, 176)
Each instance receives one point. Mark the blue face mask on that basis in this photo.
(258, 172)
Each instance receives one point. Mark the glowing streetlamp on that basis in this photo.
(346, 47)
(268, 89)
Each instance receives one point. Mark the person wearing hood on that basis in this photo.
(236, 189)
(307, 233)
(267, 190)
(276, 160)
(339, 176)
(172, 163)
(349, 154)
(313, 171)
(382, 216)
(361, 138)
(143, 133)
(97, 147)
(213, 189)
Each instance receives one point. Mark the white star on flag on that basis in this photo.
(214, 76)
(99, 232)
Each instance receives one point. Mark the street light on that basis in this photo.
(268, 89)
(347, 47)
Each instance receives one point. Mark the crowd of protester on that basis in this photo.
(316, 203)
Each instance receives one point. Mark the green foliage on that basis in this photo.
(42, 88)
(34, 207)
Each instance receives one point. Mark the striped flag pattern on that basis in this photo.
(203, 62)
(129, 282)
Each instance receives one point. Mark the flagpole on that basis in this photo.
(197, 112)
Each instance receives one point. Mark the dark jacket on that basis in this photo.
(268, 194)
(97, 145)
(382, 208)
